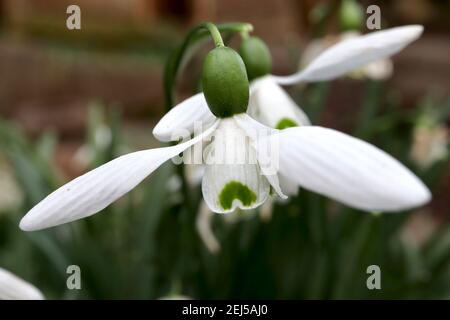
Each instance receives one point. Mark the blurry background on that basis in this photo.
(71, 100)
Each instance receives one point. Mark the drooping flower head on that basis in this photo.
(243, 158)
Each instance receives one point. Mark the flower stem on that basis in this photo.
(215, 34)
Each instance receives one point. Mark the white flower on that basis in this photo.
(430, 144)
(241, 161)
(11, 196)
(14, 288)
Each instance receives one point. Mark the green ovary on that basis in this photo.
(286, 123)
(236, 190)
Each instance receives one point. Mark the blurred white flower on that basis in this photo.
(15, 288)
(10, 196)
(419, 228)
(266, 211)
(204, 228)
(102, 137)
(205, 219)
(430, 144)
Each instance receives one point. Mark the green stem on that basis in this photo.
(215, 34)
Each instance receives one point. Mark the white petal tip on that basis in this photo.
(33, 294)
(351, 54)
(237, 205)
(418, 195)
(416, 28)
(216, 210)
(27, 225)
(423, 195)
(14, 288)
(412, 32)
(37, 296)
(161, 133)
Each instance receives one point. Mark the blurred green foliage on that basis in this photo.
(146, 245)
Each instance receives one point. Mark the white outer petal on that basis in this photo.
(96, 189)
(269, 104)
(355, 53)
(15, 288)
(183, 117)
(348, 170)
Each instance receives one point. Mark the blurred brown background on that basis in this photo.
(49, 74)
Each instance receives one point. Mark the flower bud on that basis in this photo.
(351, 15)
(256, 56)
(225, 82)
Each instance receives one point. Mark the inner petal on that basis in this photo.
(232, 177)
(235, 190)
(273, 107)
(286, 123)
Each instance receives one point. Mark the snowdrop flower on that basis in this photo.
(11, 196)
(15, 288)
(242, 160)
(431, 138)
